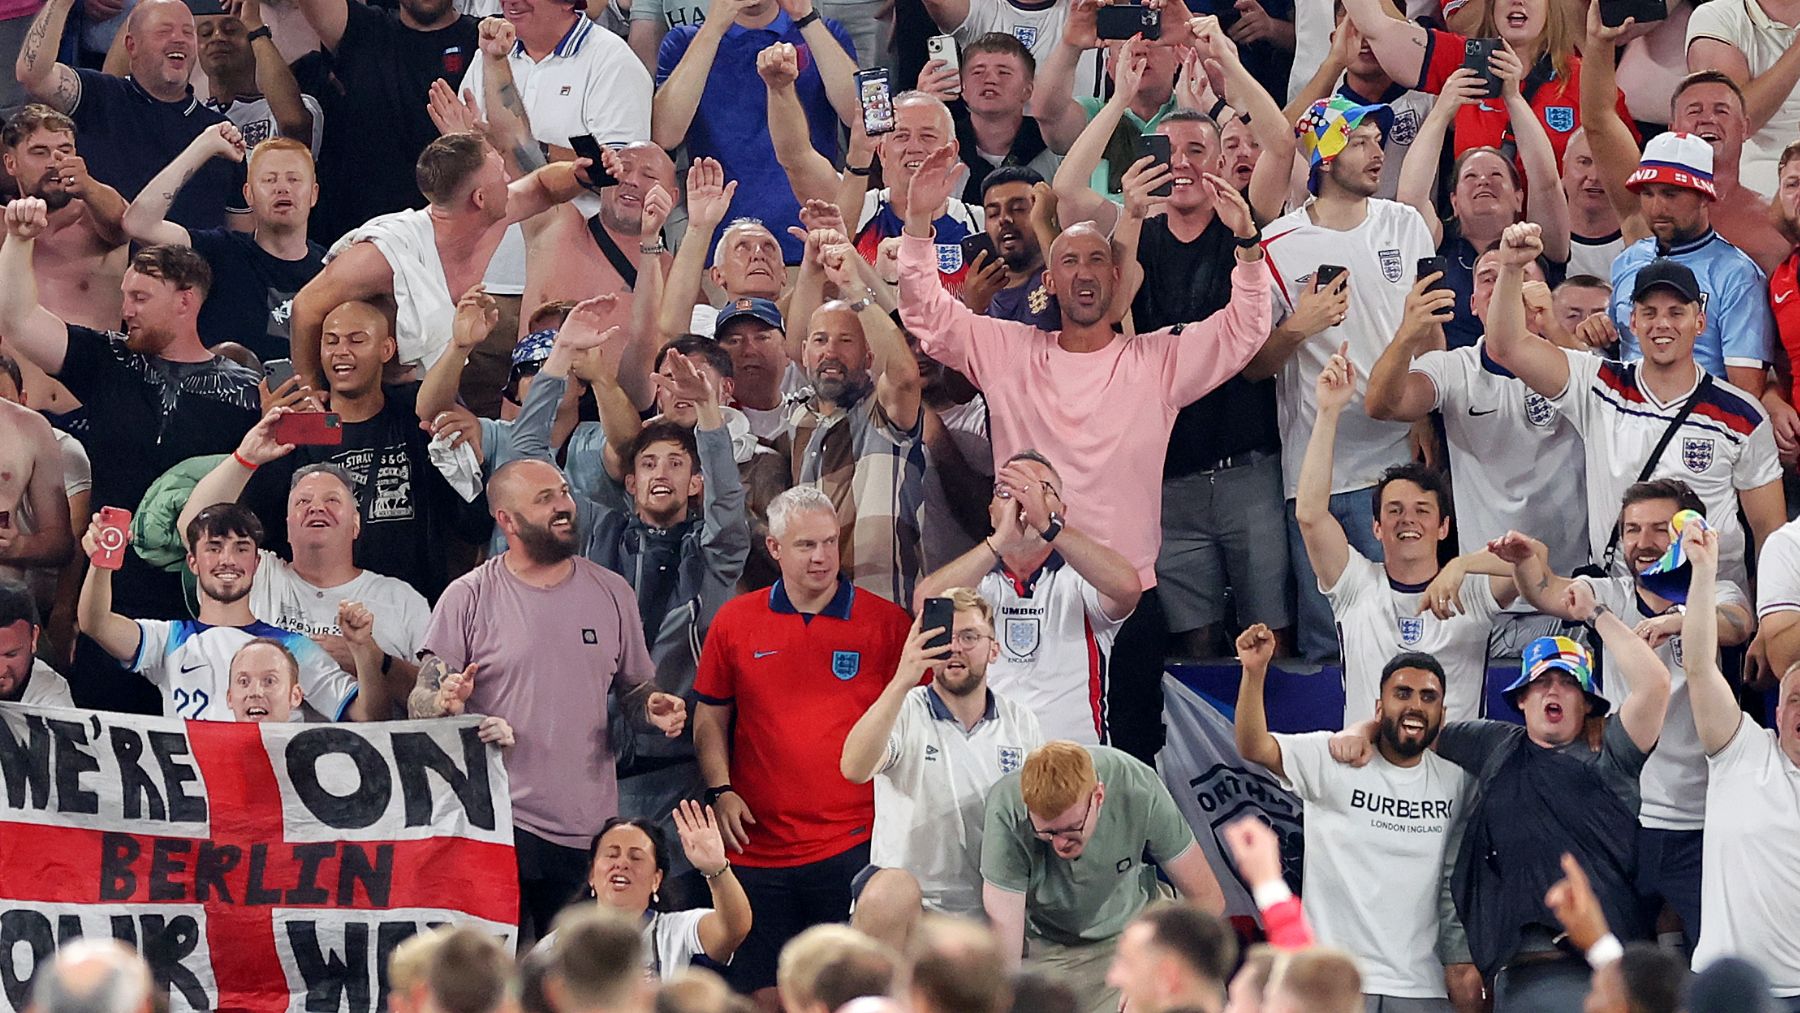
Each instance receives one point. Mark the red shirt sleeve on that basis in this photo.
(715, 681)
(1443, 56)
(1285, 925)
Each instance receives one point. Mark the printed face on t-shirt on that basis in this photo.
(265, 683)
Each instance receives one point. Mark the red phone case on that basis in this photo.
(309, 429)
(109, 548)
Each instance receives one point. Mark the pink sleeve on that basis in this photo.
(1206, 354)
(1285, 925)
(947, 330)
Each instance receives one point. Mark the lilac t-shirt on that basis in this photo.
(548, 658)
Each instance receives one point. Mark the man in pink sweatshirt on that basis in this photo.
(1086, 395)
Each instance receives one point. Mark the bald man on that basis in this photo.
(410, 511)
(90, 975)
(132, 126)
(543, 636)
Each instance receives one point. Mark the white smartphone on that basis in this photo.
(943, 47)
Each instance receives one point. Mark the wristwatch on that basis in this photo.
(1052, 529)
(259, 33)
(653, 248)
(864, 303)
(1600, 609)
(712, 795)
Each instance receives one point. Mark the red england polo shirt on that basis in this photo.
(799, 682)
(1557, 100)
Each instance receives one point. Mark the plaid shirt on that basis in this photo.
(874, 472)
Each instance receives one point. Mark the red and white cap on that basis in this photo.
(1678, 159)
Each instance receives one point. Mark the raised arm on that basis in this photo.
(52, 83)
(1314, 311)
(146, 220)
(225, 483)
(1346, 41)
(1646, 678)
(723, 929)
(897, 384)
(1255, 646)
(1542, 365)
(948, 15)
(1531, 573)
(476, 315)
(866, 746)
(642, 335)
(1395, 392)
(1397, 43)
(678, 96)
(543, 189)
(115, 634)
(1615, 151)
(1548, 206)
(1060, 118)
(1716, 711)
(28, 326)
(1112, 574)
(837, 70)
(275, 79)
(1076, 201)
(1419, 169)
(1764, 93)
(810, 174)
(709, 198)
(1326, 545)
(328, 18)
(1273, 130)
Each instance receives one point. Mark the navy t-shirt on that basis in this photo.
(127, 137)
(252, 291)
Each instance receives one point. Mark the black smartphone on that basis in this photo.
(586, 147)
(1437, 265)
(938, 614)
(1157, 146)
(875, 93)
(978, 243)
(1326, 274)
(1475, 57)
(205, 8)
(278, 372)
(1614, 12)
(1122, 21)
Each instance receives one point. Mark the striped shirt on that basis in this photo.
(1055, 639)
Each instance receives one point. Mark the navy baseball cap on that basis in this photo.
(749, 308)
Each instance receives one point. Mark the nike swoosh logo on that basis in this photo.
(1783, 297)
(185, 669)
(762, 654)
(1473, 412)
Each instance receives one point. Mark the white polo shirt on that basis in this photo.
(1055, 640)
(1376, 837)
(1382, 255)
(281, 598)
(1762, 40)
(1750, 864)
(1725, 444)
(1778, 572)
(591, 83)
(1673, 781)
(931, 792)
(1378, 619)
(1517, 460)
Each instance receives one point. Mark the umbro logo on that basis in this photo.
(931, 753)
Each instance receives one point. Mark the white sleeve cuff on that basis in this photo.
(1270, 894)
(1604, 952)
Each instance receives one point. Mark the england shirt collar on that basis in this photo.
(1025, 584)
(941, 711)
(779, 27)
(837, 608)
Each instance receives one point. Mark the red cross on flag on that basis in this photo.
(256, 866)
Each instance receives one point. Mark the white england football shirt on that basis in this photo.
(1725, 444)
(1517, 461)
(1673, 782)
(1378, 619)
(1595, 258)
(931, 793)
(1040, 31)
(1778, 572)
(1376, 837)
(1055, 639)
(191, 663)
(1382, 256)
(281, 598)
(1750, 869)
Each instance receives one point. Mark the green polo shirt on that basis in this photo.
(1091, 898)
(1121, 151)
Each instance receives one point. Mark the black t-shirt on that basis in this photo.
(375, 120)
(1186, 283)
(127, 137)
(147, 415)
(410, 514)
(252, 290)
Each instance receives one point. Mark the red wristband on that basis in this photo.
(239, 458)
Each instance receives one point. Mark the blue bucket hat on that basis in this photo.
(1547, 654)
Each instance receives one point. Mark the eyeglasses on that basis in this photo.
(969, 639)
(1070, 833)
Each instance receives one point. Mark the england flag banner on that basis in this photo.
(1213, 787)
(256, 866)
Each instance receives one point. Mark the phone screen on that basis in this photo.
(876, 95)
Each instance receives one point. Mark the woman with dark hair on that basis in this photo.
(626, 867)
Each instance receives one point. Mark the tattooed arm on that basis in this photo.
(52, 83)
(509, 125)
(145, 219)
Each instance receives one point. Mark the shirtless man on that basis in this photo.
(563, 258)
(80, 259)
(448, 243)
(31, 491)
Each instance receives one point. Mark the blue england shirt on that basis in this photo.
(1739, 331)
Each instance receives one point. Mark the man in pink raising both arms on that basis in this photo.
(1084, 395)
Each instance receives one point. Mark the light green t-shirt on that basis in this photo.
(1091, 898)
(1122, 151)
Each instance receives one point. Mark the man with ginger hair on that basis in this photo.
(1102, 806)
(1318, 980)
